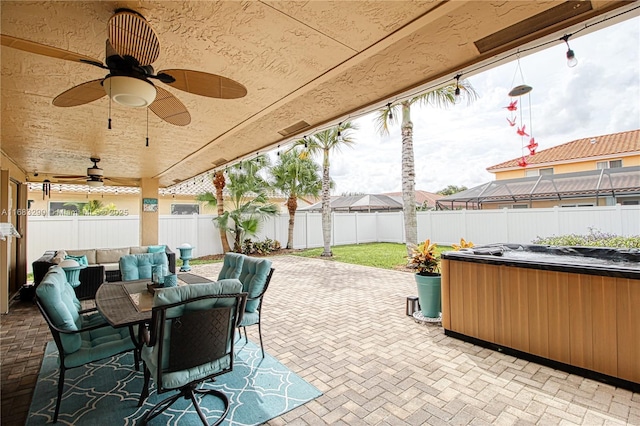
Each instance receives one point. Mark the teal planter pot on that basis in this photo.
(429, 294)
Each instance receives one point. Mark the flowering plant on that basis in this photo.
(425, 259)
(463, 244)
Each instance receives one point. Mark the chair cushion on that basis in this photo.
(249, 318)
(231, 266)
(98, 344)
(156, 249)
(62, 306)
(139, 250)
(254, 277)
(176, 294)
(138, 266)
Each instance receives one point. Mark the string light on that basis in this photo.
(572, 61)
(456, 97)
(340, 138)
(390, 111)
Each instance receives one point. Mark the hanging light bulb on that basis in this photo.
(340, 138)
(457, 98)
(306, 144)
(390, 111)
(572, 61)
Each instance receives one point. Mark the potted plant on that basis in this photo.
(425, 260)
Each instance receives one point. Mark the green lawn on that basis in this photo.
(379, 255)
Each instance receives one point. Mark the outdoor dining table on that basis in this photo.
(128, 303)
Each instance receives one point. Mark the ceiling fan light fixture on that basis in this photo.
(95, 182)
(130, 91)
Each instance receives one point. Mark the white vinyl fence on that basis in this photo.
(443, 227)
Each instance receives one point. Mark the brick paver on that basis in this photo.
(343, 328)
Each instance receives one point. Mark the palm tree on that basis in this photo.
(324, 142)
(219, 183)
(295, 175)
(249, 201)
(441, 97)
(92, 208)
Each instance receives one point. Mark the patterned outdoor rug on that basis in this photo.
(107, 392)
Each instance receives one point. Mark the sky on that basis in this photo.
(455, 146)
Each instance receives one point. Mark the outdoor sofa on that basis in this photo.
(102, 265)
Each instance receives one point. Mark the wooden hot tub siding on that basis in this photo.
(587, 321)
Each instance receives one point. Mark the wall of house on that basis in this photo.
(126, 204)
(13, 251)
(578, 166)
(575, 202)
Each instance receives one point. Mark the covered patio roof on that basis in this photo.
(588, 184)
(305, 65)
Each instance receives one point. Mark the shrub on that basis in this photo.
(260, 247)
(595, 238)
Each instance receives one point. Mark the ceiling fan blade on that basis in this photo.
(123, 181)
(81, 94)
(131, 35)
(41, 49)
(169, 108)
(205, 84)
(70, 177)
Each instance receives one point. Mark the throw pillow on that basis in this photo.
(156, 249)
(82, 260)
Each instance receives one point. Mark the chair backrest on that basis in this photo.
(255, 276)
(192, 329)
(61, 308)
(231, 266)
(139, 266)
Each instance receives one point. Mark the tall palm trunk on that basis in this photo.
(326, 205)
(219, 183)
(292, 206)
(408, 179)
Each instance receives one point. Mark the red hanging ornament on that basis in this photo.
(521, 131)
(532, 146)
(522, 162)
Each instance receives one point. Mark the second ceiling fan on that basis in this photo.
(131, 47)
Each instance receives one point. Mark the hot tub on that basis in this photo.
(572, 308)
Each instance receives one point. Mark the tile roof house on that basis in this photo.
(594, 171)
(578, 155)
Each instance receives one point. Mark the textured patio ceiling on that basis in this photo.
(304, 64)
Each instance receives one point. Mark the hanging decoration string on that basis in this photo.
(147, 127)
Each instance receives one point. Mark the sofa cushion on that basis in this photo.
(82, 260)
(90, 253)
(111, 266)
(138, 266)
(157, 249)
(139, 250)
(111, 255)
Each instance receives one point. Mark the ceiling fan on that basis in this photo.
(95, 176)
(131, 47)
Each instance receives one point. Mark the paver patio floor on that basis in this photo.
(344, 329)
